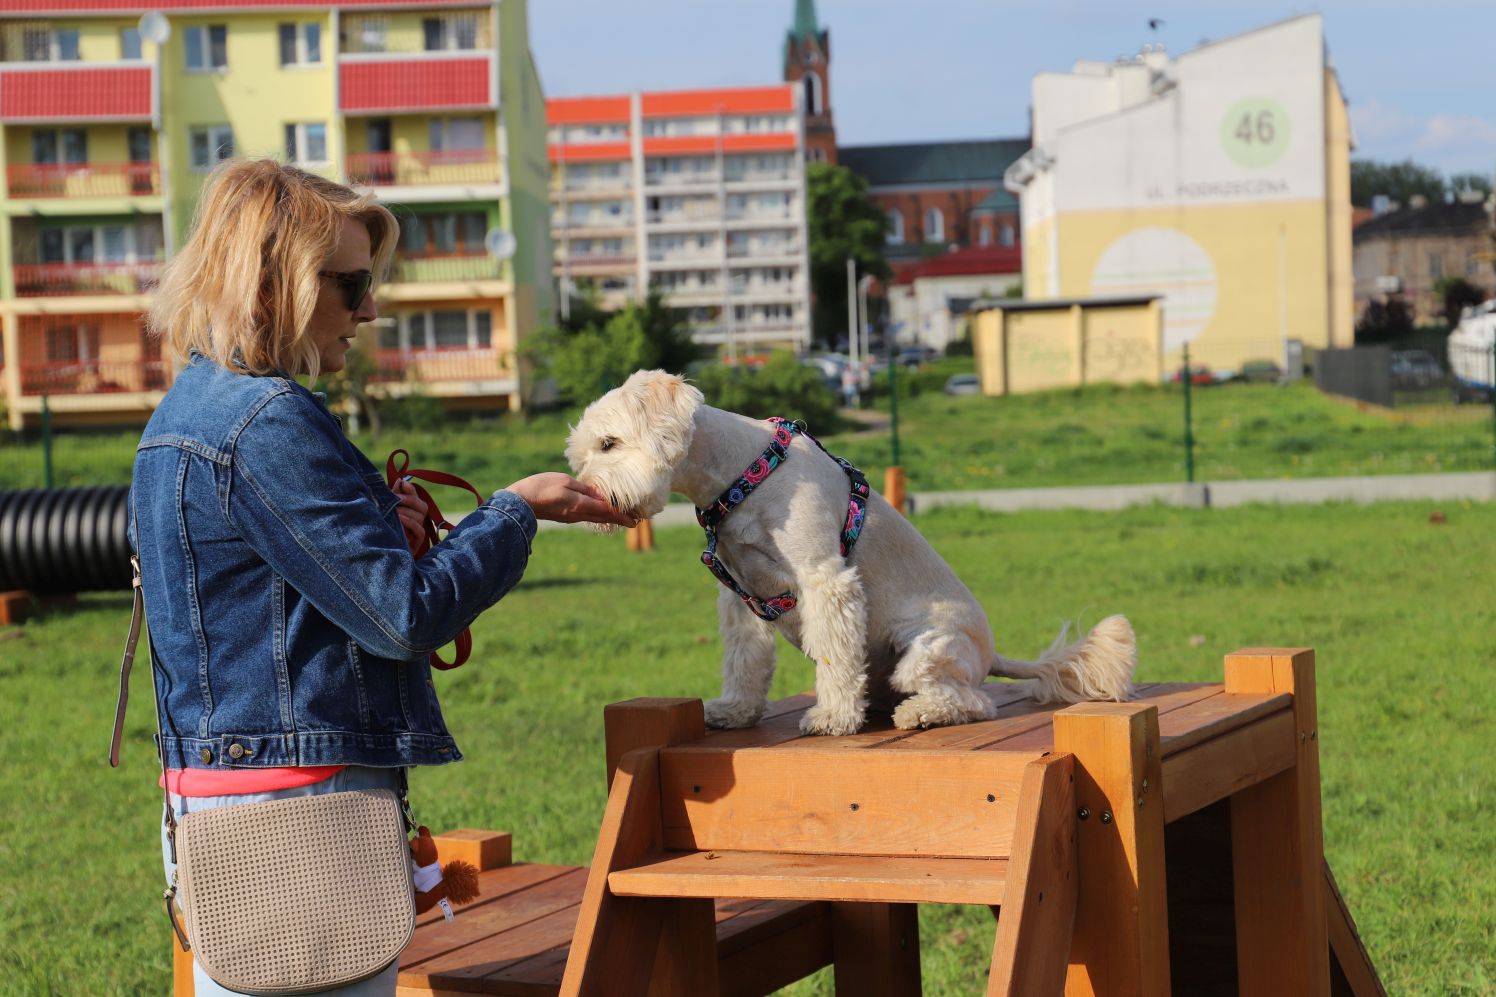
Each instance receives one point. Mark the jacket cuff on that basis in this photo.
(517, 510)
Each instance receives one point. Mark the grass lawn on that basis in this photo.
(1098, 435)
(1393, 604)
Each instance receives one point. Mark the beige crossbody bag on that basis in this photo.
(290, 896)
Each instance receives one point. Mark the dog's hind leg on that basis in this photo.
(747, 664)
(833, 633)
(942, 671)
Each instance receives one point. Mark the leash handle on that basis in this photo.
(396, 467)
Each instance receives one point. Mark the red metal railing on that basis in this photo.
(84, 179)
(38, 279)
(451, 166)
(421, 366)
(84, 377)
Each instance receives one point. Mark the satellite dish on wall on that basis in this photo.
(154, 27)
(500, 243)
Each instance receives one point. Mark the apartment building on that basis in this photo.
(110, 122)
(699, 194)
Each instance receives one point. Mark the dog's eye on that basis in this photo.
(607, 443)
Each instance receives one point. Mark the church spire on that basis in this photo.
(806, 25)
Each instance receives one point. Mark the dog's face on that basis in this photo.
(629, 441)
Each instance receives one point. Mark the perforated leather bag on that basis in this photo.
(295, 896)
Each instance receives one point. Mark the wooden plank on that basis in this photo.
(649, 723)
(749, 923)
(439, 948)
(1277, 842)
(1121, 940)
(181, 969)
(1199, 776)
(1164, 698)
(1032, 948)
(787, 876)
(876, 949)
(878, 731)
(1015, 716)
(779, 724)
(477, 968)
(957, 805)
(482, 849)
(1199, 722)
(495, 885)
(1346, 947)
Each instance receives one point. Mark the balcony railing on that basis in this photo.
(426, 366)
(84, 179)
(760, 176)
(594, 260)
(585, 183)
(39, 279)
(739, 251)
(454, 166)
(422, 269)
(87, 377)
(680, 179)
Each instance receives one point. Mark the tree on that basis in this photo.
(1384, 322)
(1456, 293)
(845, 223)
(349, 388)
(1469, 183)
(609, 346)
(1399, 181)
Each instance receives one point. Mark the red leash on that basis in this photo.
(434, 521)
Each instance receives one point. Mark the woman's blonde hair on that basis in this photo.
(242, 289)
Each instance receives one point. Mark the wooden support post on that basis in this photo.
(181, 970)
(1277, 843)
(876, 949)
(641, 537)
(1121, 941)
(893, 488)
(650, 723)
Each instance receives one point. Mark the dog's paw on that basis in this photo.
(931, 711)
(730, 714)
(825, 720)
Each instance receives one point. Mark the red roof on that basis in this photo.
(136, 7)
(415, 84)
(973, 261)
(738, 100)
(587, 111)
(75, 93)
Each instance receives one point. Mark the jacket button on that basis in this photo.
(236, 751)
(206, 756)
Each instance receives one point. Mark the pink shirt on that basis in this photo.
(232, 782)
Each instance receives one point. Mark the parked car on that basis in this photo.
(1413, 369)
(1260, 372)
(963, 384)
(1198, 375)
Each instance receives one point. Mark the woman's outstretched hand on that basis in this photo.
(563, 499)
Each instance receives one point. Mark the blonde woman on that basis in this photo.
(290, 622)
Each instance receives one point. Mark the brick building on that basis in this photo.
(807, 63)
(1409, 251)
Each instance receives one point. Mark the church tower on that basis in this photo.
(807, 61)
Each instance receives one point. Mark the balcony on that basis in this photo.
(43, 279)
(760, 250)
(79, 91)
(435, 366)
(88, 377)
(455, 267)
(84, 180)
(399, 84)
(453, 166)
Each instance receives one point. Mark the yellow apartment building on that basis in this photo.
(111, 120)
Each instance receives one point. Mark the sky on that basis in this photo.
(1420, 77)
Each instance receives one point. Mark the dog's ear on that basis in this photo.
(670, 404)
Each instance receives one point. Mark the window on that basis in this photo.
(207, 47)
(1435, 265)
(1007, 235)
(443, 234)
(468, 329)
(456, 134)
(43, 44)
(72, 343)
(934, 226)
(129, 43)
(138, 141)
(813, 95)
(984, 235)
(46, 142)
(449, 330)
(455, 32)
(301, 44)
(89, 244)
(895, 227)
(306, 143)
(371, 34)
(210, 145)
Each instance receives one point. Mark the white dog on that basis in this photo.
(888, 621)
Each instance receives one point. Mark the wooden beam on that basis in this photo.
(649, 723)
(876, 949)
(1346, 947)
(1121, 940)
(1278, 845)
(1199, 776)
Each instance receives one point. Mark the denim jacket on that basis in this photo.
(289, 622)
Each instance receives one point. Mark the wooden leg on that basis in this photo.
(1121, 941)
(686, 959)
(876, 949)
(1346, 948)
(650, 723)
(181, 970)
(1277, 843)
(1032, 947)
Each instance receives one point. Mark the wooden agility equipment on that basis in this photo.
(1171, 842)
(641, 537)
(893, 488)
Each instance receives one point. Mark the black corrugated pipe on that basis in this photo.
(56, 540)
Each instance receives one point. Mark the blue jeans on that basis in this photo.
(352, 777)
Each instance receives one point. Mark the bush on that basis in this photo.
(783, 387)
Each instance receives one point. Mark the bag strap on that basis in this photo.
(463, 643)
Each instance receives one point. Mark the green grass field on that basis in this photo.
(1097, 435)
(1394, 604)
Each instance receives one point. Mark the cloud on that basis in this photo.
(1454, 143)
(1445, 132)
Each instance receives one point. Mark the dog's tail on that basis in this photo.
(1099, 667)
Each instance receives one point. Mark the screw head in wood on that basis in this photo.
(1083, 813)
(1106, 816)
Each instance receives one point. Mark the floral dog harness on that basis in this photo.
(710, 517)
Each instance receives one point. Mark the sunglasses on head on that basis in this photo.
(355, 285)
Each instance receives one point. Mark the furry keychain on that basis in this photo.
(440, 885)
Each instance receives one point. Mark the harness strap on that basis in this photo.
(463, 643)
(776, 453)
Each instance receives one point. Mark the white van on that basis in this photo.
(1470, 352)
